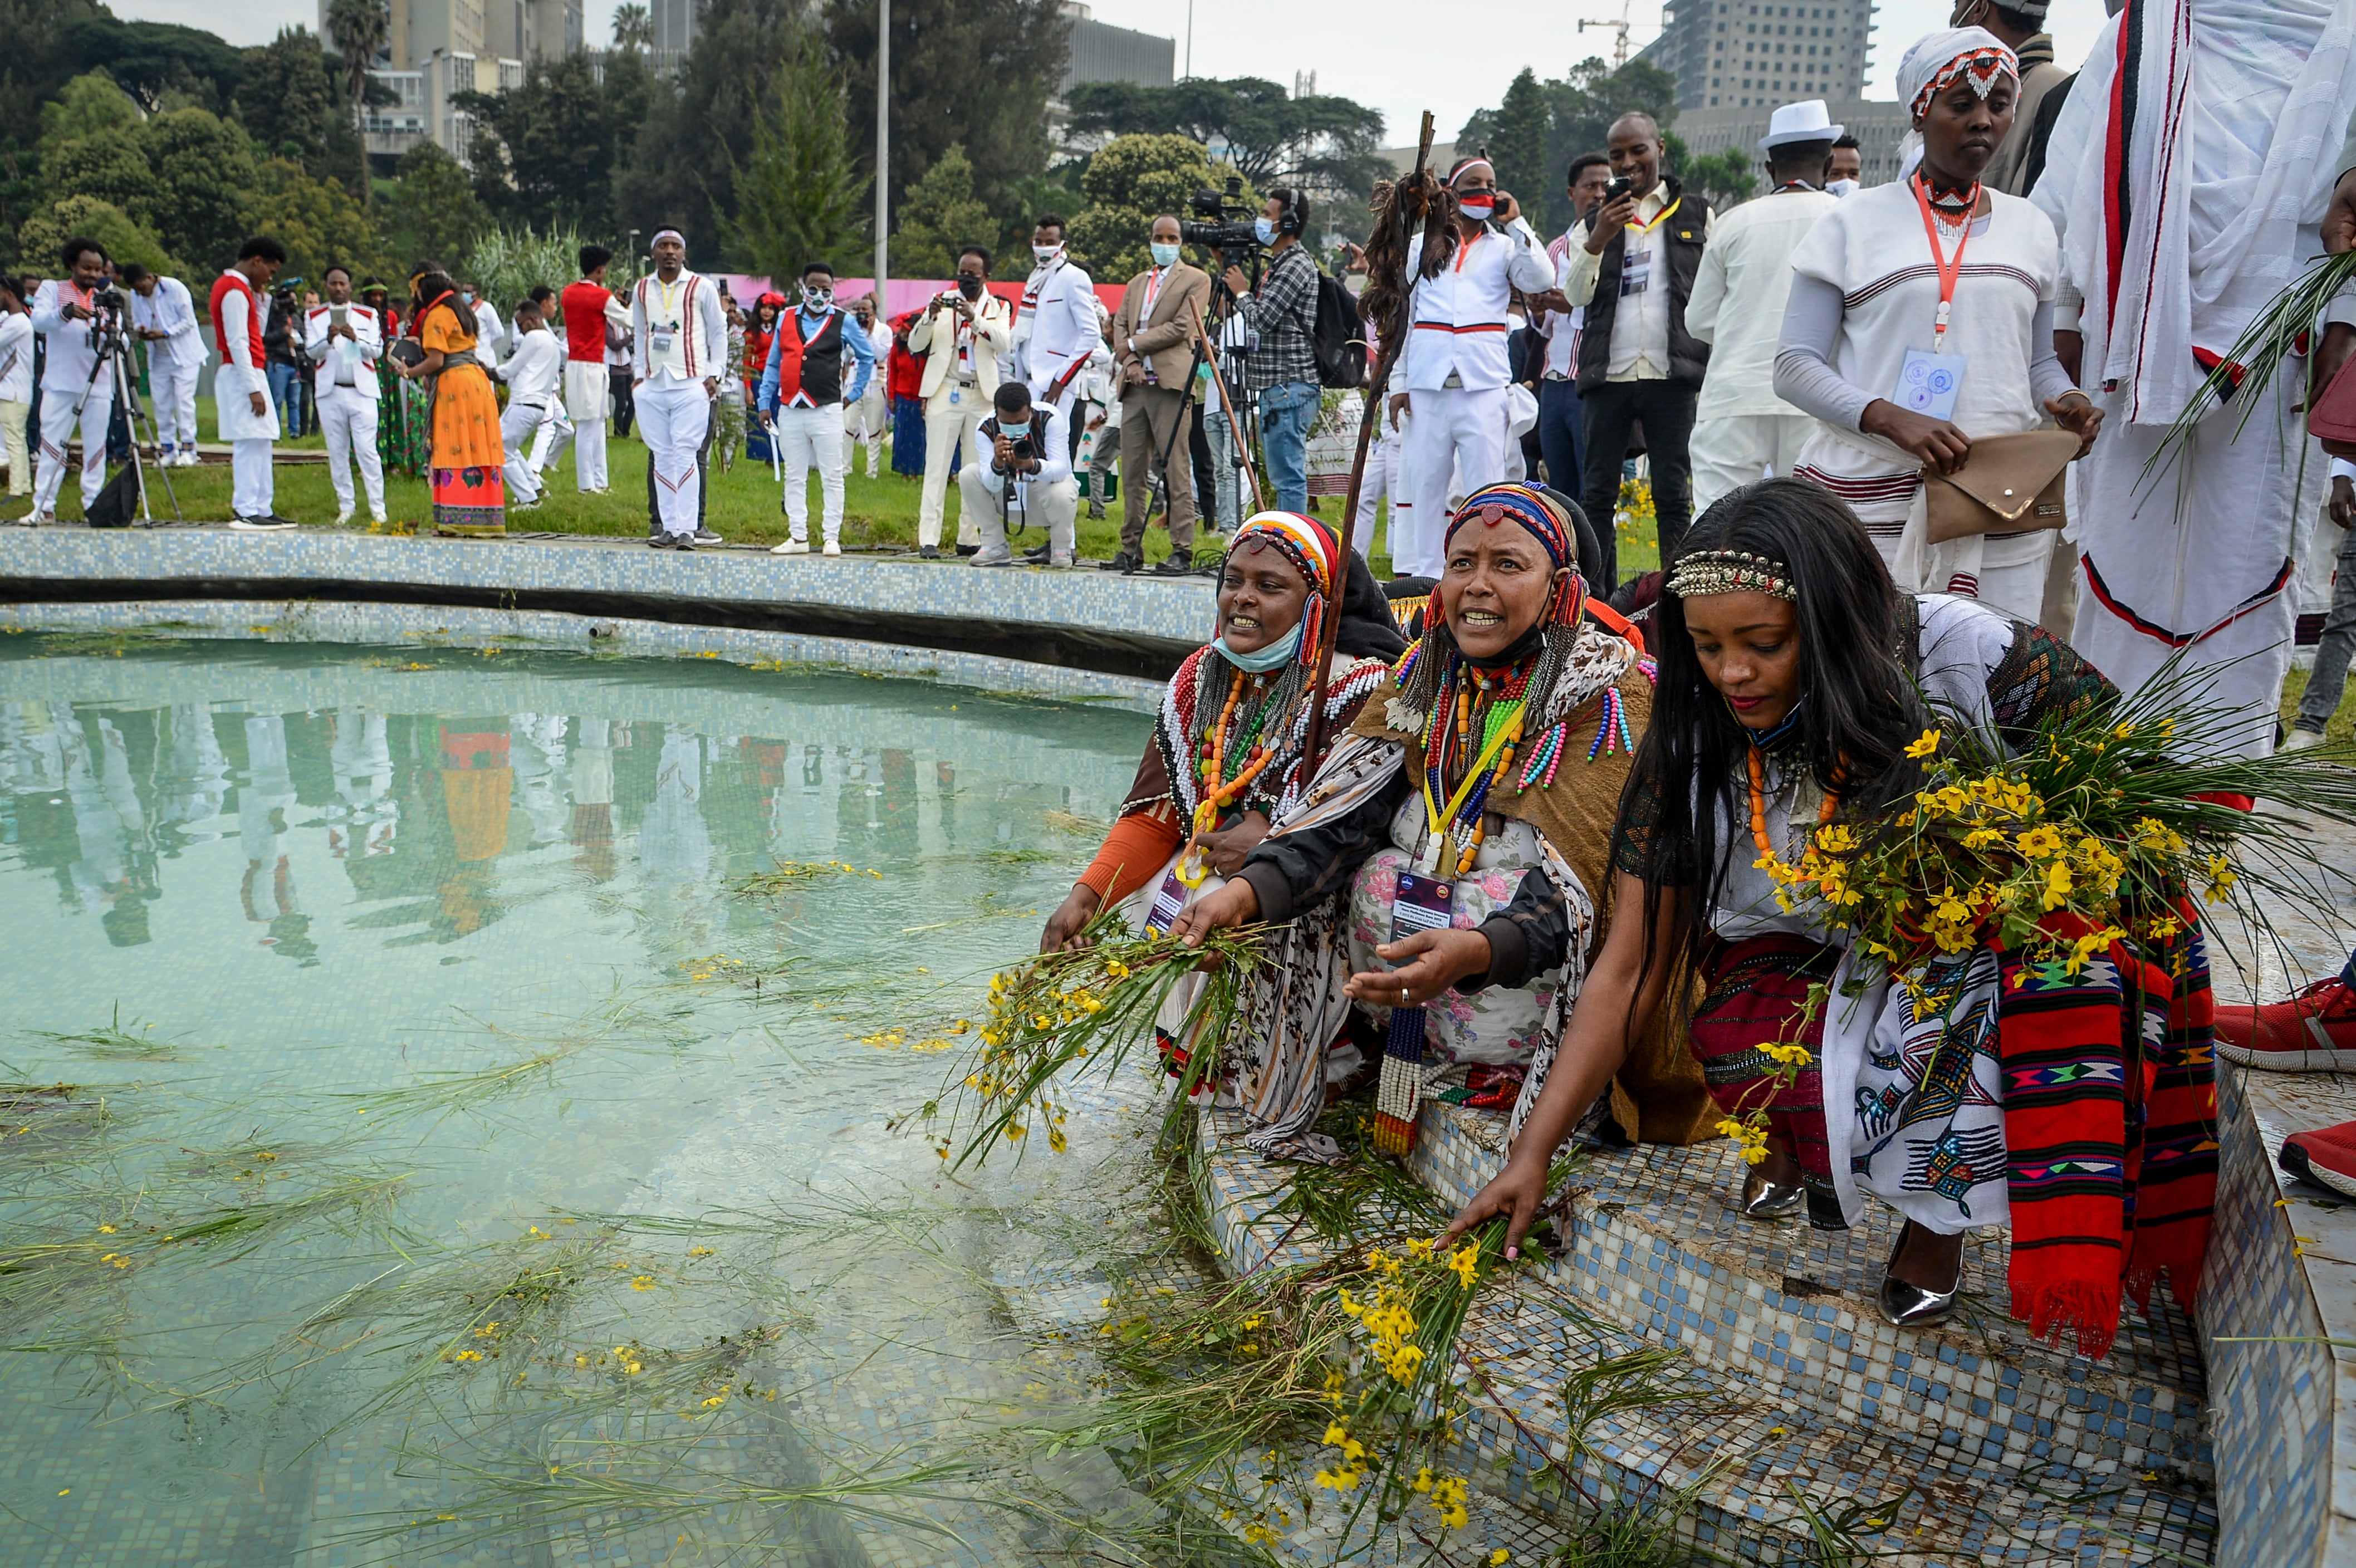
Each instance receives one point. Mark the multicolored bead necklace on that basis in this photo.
(1498, 704)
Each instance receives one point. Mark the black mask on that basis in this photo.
(969, 286)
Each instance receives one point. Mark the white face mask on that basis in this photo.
(1841, 186)
(1043, 254)
(818, 298)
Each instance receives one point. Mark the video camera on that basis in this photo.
(1222, 220)
(107, 297)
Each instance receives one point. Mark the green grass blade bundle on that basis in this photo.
(2264, 347)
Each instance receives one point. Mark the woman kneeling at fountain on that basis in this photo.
(1224, 759)
(1442, 873)
(1976, 1089)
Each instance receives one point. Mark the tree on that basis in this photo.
(109, 166)
(317, 221)
(939, 217)
(432, 215)
(975, 72)
(1729, 177)
(154, 61)
(204, 177)
(359, 28)
(545, 153)
(1579, 108)
(680, 174)
(291, 104)
(38, 62)
(1130, 182)
(1517, 139)
(1325, 143)
(124, 238)
(86, 106)
(633, 29)
(798, 200)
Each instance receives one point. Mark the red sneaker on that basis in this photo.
(2314, 1031)
(2326, 1156)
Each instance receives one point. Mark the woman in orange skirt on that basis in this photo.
(469, 494)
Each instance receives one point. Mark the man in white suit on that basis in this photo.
(76, 385)
(165, 317)
(344, 339)
(963, 335)
(1057, 330)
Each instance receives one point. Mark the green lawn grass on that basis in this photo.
(879, 514)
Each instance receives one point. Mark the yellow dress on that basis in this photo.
(469, 490)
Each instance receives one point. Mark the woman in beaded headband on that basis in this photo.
(1796, 685)
(1442, 874)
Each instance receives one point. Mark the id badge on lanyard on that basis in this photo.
(1424, 904)
(1930, 380)
(1165, 905)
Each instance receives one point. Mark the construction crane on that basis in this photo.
(1620, 44)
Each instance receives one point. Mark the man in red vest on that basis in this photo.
(802, 399)
(241, 406)
(592, 317)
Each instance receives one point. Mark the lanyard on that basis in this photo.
(1506, 730)
(1658, 218)
(1154, 288)
(668, 294)
(1949, 270)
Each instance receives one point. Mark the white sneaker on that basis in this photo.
(2302, 739)
(790, 547)
(343, 516)
(832, 548)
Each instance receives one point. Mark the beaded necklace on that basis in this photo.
(1767, 850)
(1500, 708)
(1220, 753)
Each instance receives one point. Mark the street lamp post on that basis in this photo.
(882, 154)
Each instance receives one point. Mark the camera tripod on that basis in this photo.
(111, 346)
(1221, 308)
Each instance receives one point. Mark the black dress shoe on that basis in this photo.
(1123, 562)
(929, 553)
(968, 549)
(1172, 566)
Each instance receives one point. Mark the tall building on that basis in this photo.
(437, 49)
(1102, 52)
(1740, 53)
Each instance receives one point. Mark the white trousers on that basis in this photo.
(1382, 481)
(517, 422)
(13, 416)
(808, 437)
(1057, 506)
(672, 417)
(1454, 429)
(57, 429)
(249, 476)
(949, 424)
(350, 421)
(867, 422)
(587, 398)
(174, 390)
(555, 432)
(1738, 449)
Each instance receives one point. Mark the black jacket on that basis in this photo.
(1682, 235)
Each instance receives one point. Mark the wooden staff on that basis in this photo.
(1394, 338)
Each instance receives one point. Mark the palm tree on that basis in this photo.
(633, 29)
(360, 28)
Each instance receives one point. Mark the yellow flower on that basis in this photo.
(699, 1252)
(1500, 1557)
(2057, 885)
(1464, 1261)
(1924, 746)
(1834, 839)
(643, 1282)
(2039, 844)
(1984, 838)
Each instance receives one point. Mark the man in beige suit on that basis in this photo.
(962, 334)
(1153, 344)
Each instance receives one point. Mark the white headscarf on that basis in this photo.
(1929, 59)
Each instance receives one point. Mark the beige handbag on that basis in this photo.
(2011, 484)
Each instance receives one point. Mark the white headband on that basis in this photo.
(662, 234)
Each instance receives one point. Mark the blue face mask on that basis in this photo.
(1264, 229)
(1015, 432)
(1275, 656)
(1164, 256)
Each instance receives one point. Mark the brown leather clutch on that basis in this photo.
(2011, 484)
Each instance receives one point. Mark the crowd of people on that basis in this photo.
(1563, 782)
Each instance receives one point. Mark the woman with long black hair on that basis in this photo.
(1793, 677)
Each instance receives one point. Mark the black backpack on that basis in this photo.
(1341, 335)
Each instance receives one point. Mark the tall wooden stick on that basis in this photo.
(1394, 340)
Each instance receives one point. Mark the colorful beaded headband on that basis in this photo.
(1701, 573)
(1980, 67)
(1305, 543)
(1537, 512)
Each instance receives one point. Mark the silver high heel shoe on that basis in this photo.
(1769, 1201)
(1912, 1306)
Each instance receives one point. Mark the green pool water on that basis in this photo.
(530, 1188)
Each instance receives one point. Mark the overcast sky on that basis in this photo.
(1392, 69)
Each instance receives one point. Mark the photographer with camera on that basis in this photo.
(165, 318)
(242, 407)
(962, 334)
(77, 379)
(1281, 367)
(1453, 372)
(289, 366)
(1025, 474)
